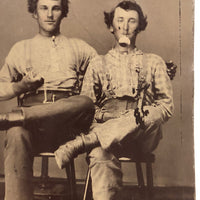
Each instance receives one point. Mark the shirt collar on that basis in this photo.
(115, 52)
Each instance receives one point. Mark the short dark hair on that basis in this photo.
(127, 5)
(32, 6)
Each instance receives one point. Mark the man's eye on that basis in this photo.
(132, 21)
(57, 8)
(43, 7)
(120, 20)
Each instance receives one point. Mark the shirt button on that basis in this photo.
(137, 70)
(142, 77)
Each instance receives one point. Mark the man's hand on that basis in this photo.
(107, 116)
(153, 118)
(171, 69)
(30, 82)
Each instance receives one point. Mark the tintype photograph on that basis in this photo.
(96, 100)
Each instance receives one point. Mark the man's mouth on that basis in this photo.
(124, 41)
(50, 22)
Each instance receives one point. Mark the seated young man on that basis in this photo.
(46, 73)
(133, 96)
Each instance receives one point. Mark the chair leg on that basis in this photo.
(71, 180)
(45, 167)
(88, 187)
(140, 177)
(44, 173)
(149, 174)
(42, 189)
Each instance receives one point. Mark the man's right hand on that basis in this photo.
(30, 82)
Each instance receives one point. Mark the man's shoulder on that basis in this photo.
(97, 60)
(152, 56)
(77, 41)
(153, 61)
(19, 47)
(21, 44)
(81, 46)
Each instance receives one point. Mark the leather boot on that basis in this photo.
(14, 118)
(71, 149)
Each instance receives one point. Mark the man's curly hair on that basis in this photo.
(32, 6)
(127, 5)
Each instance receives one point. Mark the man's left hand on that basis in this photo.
(153, 118)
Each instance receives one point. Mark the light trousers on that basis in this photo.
(120, 136)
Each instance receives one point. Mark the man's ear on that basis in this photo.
(35, 16)
(111, 29)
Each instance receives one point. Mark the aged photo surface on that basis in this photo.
(196, 95)
(168, 34)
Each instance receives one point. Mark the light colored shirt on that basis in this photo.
(59, 60)
(116, 75)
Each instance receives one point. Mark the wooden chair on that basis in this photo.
(148, 159)
(44, 191)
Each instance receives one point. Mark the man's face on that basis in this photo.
(49, 16)
(124, 23)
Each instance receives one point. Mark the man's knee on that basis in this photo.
(18, 153)
(81, 101)
(106, 174)
(100, 159)
(17, 136)
(86, 106)
(98, 154)
(86, 101)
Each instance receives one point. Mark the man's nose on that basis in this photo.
(125, 26)
(50, 13)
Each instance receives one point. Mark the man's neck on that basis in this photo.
(124, 49)
(49, 34)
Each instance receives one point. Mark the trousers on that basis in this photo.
(46, 127)
(118, 137)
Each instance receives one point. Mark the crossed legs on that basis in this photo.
(106, 174)
(48, 127)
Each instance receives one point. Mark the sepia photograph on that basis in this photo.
(97, 100)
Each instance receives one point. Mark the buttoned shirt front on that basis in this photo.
(59, 60)
(117, 75)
